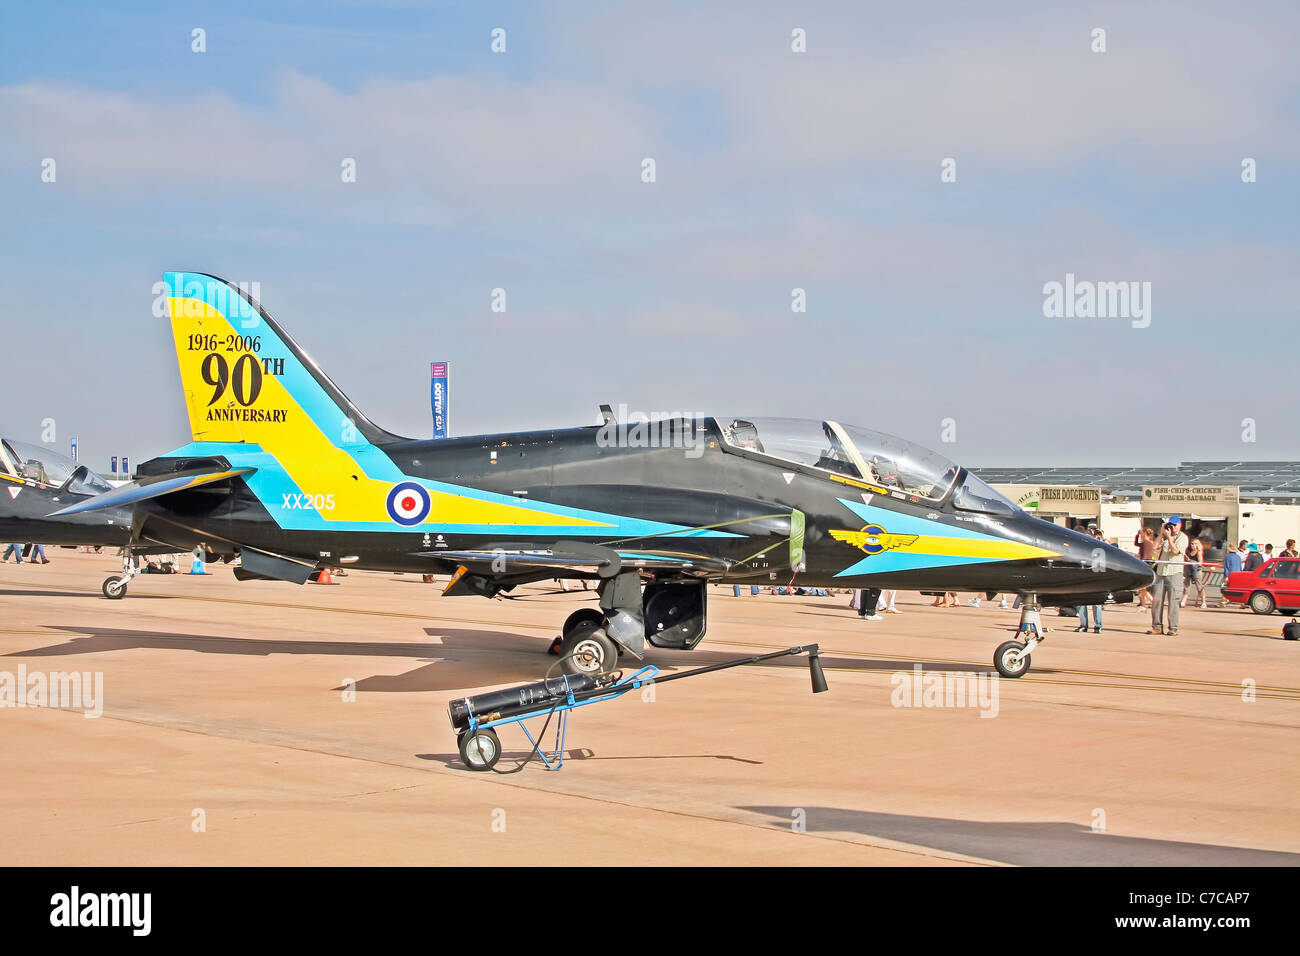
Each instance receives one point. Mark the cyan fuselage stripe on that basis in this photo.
(271, 483)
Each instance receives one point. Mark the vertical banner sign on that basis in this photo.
(115, 464)
(74, 449)
(126, 469)
(438, 398)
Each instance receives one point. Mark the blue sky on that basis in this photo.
(775, 170)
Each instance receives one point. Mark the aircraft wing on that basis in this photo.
(150, 488)
(587, 558)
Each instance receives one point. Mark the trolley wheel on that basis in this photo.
(588, 650)
(480, 749)
(114, 588)
(1008, 660)
(1261, 602)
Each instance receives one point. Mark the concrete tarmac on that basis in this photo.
(263, 723)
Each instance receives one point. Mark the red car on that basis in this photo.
(1274, 585)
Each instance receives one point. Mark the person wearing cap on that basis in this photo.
(1170, 547)
(1254, 560)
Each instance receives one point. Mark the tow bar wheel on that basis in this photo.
(114, 588)
(1008, 659)
(480, 749)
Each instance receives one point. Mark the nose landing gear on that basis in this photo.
(114, 587)
(1012, 658)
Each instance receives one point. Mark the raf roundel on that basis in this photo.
(408, 503)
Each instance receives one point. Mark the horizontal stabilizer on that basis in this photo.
(129, 494)
(277, 567)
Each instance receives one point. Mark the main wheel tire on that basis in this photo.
(1261, 602)
(479, 749)
(588, 650)
(114, 588)
(1009, 661)
(582, 615)
(593, 614)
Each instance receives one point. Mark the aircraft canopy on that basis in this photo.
(44, 464)
(864, 454)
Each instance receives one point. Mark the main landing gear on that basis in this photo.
(1012, 657)
(114, 587)
(584, 645)
(669, 614)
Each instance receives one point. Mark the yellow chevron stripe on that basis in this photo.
(990, 548)
(975, 548)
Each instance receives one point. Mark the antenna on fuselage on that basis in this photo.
(607, 413)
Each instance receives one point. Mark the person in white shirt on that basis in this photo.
(1171, 547)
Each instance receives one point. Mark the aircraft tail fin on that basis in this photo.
(246, 381)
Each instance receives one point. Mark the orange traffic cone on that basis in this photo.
(324, 577)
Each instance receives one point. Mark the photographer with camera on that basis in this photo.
(1170, 547)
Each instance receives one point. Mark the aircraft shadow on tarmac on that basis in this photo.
(1028, 844)
(88, 595)
(36, 592)
(477, 660)
(458, 659)
(463, 658)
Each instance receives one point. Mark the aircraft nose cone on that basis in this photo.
(1133, 571)
(1112, 569)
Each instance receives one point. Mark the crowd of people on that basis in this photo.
(1182, 570)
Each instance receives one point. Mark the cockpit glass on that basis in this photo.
(860, 453)
(86, 482)
(39, 463)
(895, 463)
(973, 494)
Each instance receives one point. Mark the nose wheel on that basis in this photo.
(1012, 657)
(114, 587)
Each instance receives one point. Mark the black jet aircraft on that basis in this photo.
(286, 473)
(35, 480)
